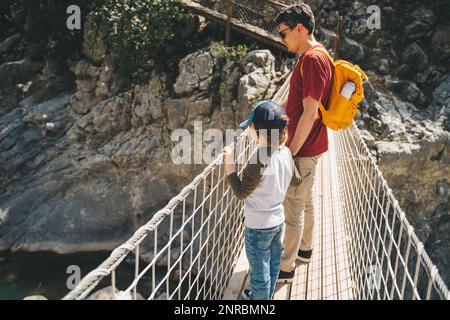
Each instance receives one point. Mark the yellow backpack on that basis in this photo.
(341, 111)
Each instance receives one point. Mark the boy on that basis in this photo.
(264, 184)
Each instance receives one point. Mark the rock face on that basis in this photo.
(81, 171)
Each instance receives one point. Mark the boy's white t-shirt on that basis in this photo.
(263, 208)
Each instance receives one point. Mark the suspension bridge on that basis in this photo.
(364, 246)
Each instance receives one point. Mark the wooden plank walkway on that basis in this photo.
(327, 276)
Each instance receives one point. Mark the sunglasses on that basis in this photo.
(282, 33)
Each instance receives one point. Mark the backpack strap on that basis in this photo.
(324, 51)
(320, 49)
(364, 77)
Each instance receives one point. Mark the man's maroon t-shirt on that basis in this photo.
(316, 83)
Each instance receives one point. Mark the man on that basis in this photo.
(308, 137)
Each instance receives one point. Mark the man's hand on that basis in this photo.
(305, 124)
(228, 155)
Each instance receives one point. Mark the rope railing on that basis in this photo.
(194, 241)
(387, 260)
(191, 246)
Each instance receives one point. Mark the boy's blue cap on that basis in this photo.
(266, 112)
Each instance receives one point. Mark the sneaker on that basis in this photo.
(286, 277)
(304, 256)
(245, 295)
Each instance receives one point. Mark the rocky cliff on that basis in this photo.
(81, 170)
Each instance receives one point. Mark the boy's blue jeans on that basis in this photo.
(264, 249)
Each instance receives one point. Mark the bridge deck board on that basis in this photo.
(328, 274)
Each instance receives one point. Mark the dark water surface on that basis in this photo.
(46, 274)
(42, 273)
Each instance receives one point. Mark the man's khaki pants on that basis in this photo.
(299, 212)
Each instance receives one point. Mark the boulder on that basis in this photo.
(415, 57)
(258, 59)
(107, 294)
(409, 91)
(15, 72)
(441, 43)
(441, 94)
(358, 29)
(350, 49)
(8, 43)
(384, 66)
(431, 75)
(196, 70)
(199, 106)
(37, 297)
(177, 111)
(424, 15)
(417, 30)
